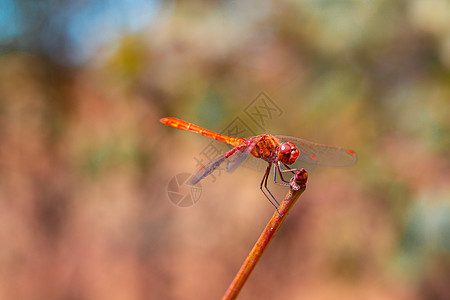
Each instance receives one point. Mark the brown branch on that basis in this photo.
(297, 187)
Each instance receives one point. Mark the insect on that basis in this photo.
(277, 150)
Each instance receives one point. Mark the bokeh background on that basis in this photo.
(85, 164)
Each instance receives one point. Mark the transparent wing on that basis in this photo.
(235, 158)
(207, 169)
(240, 156)
(318, 154)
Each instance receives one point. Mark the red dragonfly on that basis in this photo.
(276, 150)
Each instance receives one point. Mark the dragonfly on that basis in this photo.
(277, 150)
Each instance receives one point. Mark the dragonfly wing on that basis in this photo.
(319, 154)
(238, 157)
(204, 171)
(235, 158)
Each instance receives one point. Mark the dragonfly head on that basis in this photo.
(288, 153)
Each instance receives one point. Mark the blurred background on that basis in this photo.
(85, 165)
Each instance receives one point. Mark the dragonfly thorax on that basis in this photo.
(265, 148)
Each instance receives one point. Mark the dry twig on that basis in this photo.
(297, 187)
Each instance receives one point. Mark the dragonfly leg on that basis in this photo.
(264, 183)
(278, 169)
(293, 171)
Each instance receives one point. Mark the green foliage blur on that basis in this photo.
(85, 163)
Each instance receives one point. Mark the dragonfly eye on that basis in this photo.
(294, 154)
(288, 153)
(285, 148)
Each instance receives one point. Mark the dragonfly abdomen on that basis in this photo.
(180, 124)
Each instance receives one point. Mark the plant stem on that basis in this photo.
(297, 187)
